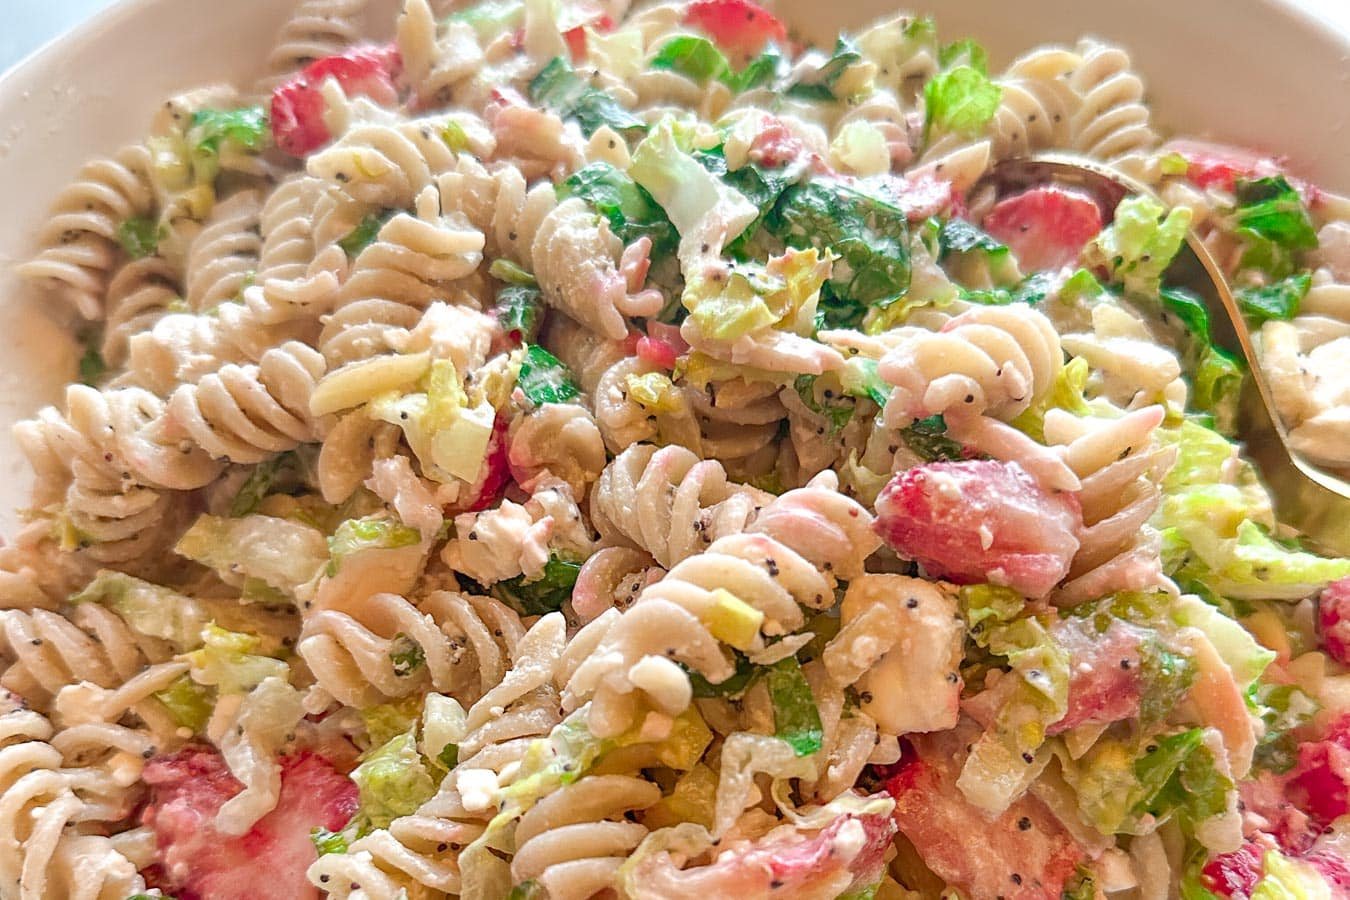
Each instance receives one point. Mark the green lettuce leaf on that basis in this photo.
(626, 205)
(544, 379)
(1279, 300)
(364, 234)
(961, 100)
(147, 608)
(560, 89)
(1283, 708)
(520, 312)
(370, 533)
(140, 236)
(1140, 243)
(696, 58)
(1271, 209)
(229, 661)
(796, 718)
(393, 781)
(543, 595)
(820, 83)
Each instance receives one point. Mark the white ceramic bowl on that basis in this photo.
(1256, 72)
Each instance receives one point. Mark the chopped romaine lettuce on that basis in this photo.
(563, 91)
(763, 70)
(626, 205)
(1216, 374)
(406, 655)
(188, 702)
(393, 781)
(1283, 708)
(544, 379)
(1279, 300)
(493, 18)
(148, 608)
(826, 82)
(927, 438)
(781, 295)
(364, 234)
(371, 533)
(704, 210)
(140, 236)
(1066, 392)
(859, 378)
(964, 52)
(228, 661)
(280, 554)
(444, 724)
(1270, 209)
(449, 437)
(961, 100)
(832, 405)
(543, 595)
(389, 720)
(696, 58)
(796, 718)
(740, 681)
(1286, 878)
(244, 130)
(1140, 243)
(655, 393)
(326, 841)
(1245, 658)
(868, 234)
(520, 312)
(265, 477)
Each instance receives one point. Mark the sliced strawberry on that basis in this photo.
(740, 28)
(1334, 620)
(776, 145)
(1023, 854)
(1334, 868)
(1046, 227)
(495, 473)
(1320, 783)
(576, 36)
(297, 104)
(197, 861)
(1235, 874)
(980, 520)
(1106, 678)
(1220, 165)
(799, 864)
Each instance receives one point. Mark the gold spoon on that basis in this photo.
(1307, 497)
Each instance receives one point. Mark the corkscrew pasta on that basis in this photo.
(578, 451)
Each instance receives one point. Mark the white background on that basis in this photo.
(27, 24)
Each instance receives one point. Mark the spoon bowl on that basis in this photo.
(1309, 498)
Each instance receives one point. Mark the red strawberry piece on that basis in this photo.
(1320, 783)
(740, 28)
(920, 196)
(980, 520)
(297, 104)
(1106, 679)
(1235, 874)
(1022, 854)
(1046, 227)
(1219, 165)
(799, 864)
(495, 473)
(576, 36)
(1334, 620)
(196, 860)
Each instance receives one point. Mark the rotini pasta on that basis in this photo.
(568, 452)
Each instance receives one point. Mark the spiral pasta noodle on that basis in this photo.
(565, 452)
(79, 241)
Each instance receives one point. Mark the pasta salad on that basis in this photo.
(576, 451)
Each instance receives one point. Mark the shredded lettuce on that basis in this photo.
(563, 91)
(393, 781)
(827, 81)
(753, 298)
(256, 553)
(364, 234)
(1216, 374)
(190, 703)
(1286, 878)
(868, 234)
(390, 720)
(1278, 300)
(448, 432)
(1066, 392)
(543, 595)
(1140, 243)
(285, 471)
(704, 210)
(964, 52)
(444, 724)
(326, 841)
(961, 100)
(1282, 708)
(696, 58)
(148, 608)
(229, 661)
(796, 718)
(140, 236)
(626, 205)
(927, 438)
(520, 312)
(1271, 210)
(493, 18)
(544, 379)
(1245, 658)
(370, 533)
(243, 130)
